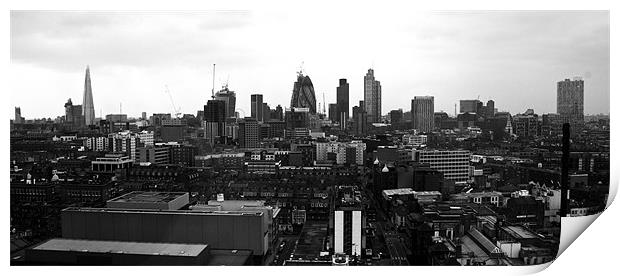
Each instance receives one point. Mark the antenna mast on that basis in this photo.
(213, 87)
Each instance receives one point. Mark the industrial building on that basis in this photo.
(158, 217)
(97, 252)
(150, 200)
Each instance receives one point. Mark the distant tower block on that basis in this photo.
(88, 109)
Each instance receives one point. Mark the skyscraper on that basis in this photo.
(215, 120)
(333, 112)
(230, 98)
(469, 106)
(372, 97)
(18, 116)
(490, 109)
(248, 133)
(570, 101)
(396, 116)
(88, 109)
(277, 114)
(73, 114)
(297, 122)
(257, 107)
(266, 112)
(303, 93)
(423, 113)
(342, 100)
(360, 119)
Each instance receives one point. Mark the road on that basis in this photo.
(393, 240)
(285, 253)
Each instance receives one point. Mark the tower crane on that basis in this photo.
(177, 111)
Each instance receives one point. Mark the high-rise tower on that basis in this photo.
(342, 100)
(88, 109)
(230, 98)
(257, 107)
(422, 112)
(570, 101)
(372, 97)
(303, 93)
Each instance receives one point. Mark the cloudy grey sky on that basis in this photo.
(512, 57)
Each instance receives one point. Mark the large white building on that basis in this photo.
(415, 140)
(127, 141)
(96, 143)
(340, 149)
(348, 222)
(454, 164)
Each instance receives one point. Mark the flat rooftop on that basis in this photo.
(401, 191)
(520, 232)
(122, 247)
(311, 240)
(147, 197)
(154, 211)
(228, 257)
(408, 191)
(236, 205)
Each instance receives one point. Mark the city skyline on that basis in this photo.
(190, 83)
(453, 138)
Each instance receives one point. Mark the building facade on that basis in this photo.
(303, 93)
(248, 133)
(342, 101)
(422, 112)
(88, 109)
(256, 108)
(570, 101)
(372, 97)
(230, 99)
(454, 164)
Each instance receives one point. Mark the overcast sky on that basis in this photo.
(514, 57)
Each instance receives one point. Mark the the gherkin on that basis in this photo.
(303, 93)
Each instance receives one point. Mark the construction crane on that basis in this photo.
(177, 111)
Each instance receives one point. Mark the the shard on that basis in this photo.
(88, 109)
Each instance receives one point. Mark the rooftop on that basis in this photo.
(122, 247)
(148, 197)
(408, 191)
(520, 232)
(153, 211)
(228, 257)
